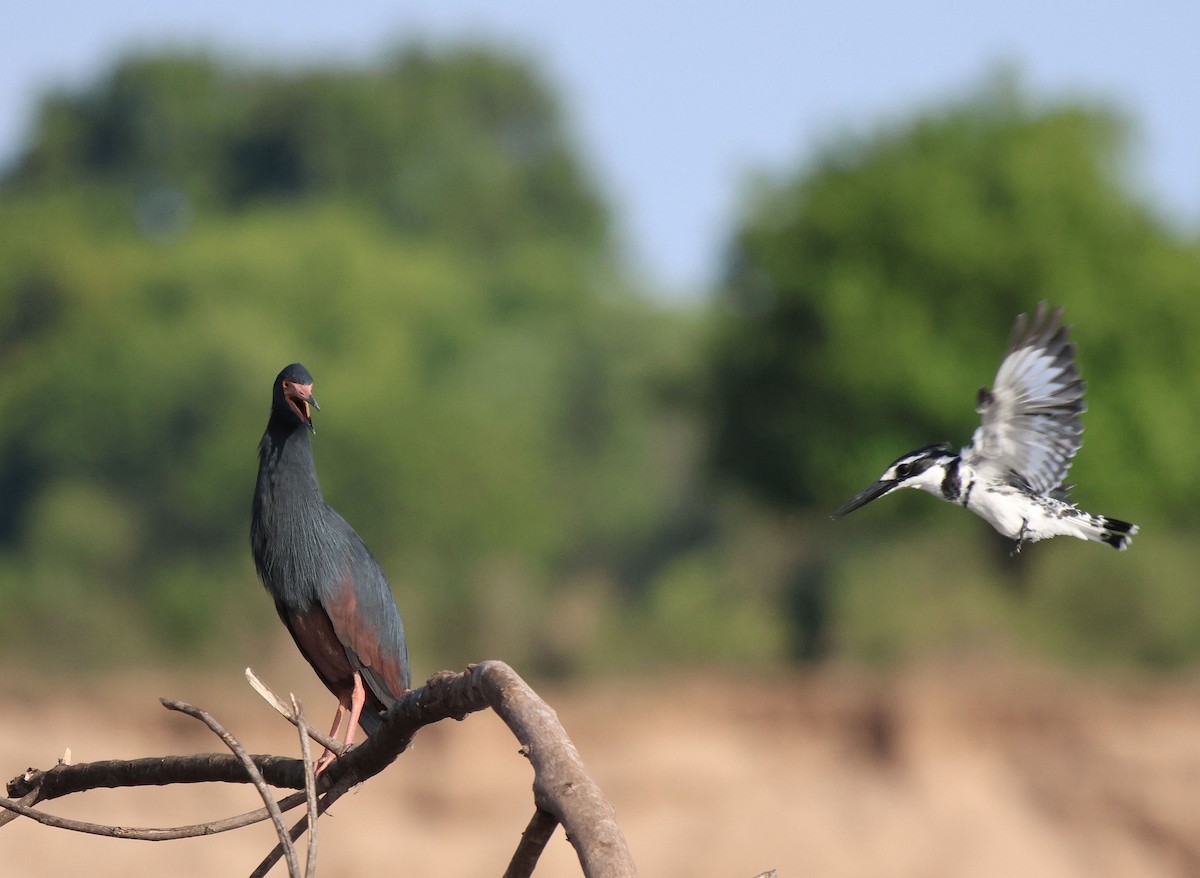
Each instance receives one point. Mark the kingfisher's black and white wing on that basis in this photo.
(1031, 426)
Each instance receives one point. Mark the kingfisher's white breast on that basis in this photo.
(1007, 509)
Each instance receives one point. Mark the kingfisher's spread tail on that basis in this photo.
(1115, 532)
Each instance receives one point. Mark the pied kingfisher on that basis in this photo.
(1012, 473)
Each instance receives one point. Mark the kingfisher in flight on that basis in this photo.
(1011, 475)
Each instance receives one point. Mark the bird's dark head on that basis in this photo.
(924, 468)
(293, 399)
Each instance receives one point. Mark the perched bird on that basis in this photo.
(328, 589)
(1012, 473)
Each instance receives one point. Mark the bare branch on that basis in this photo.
(562, 788)
(195, 830)
(533, 842)
(310, 789)
(277, 703)
(63, 780)
(256, 777)
(12, 814)
(331, 796)
(561, 785)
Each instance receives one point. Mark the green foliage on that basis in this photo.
(462, 145)
(421, 235)
(1141, 612)
(920, 592)
(521, 440)
(471, 411)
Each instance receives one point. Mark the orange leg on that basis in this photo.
(328, 756)
(352, 708)
(358, 698)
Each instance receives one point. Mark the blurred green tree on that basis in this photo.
(464, 144)
(423, 236)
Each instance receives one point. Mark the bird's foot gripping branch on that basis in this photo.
(563, 792)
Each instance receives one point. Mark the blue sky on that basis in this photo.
(676, 104)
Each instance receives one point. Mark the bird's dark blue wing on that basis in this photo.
(363, 614)
(314, 633)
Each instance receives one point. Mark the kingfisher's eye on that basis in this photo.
(903, 470)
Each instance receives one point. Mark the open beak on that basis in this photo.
(865, 496)
(301, 399)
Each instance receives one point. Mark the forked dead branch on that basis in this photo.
(563, 792)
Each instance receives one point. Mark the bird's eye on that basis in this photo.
(903, 470)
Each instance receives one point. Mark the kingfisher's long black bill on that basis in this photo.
(865, 496)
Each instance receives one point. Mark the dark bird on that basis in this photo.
(1011, 474)
(328, 589)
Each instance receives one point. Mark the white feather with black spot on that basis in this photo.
(1031, 426)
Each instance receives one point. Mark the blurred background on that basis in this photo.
(607, 308)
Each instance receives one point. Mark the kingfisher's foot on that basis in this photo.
(1021, 536)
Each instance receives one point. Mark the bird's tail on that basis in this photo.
(1115, 532)
(370, 719)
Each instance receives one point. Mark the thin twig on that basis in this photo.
(310, 790)
(251, 769)
(25, 801)
(281, 708)
(331, 795)
(533, 842)
(147, 833)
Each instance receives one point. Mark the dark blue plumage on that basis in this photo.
(328, 589)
